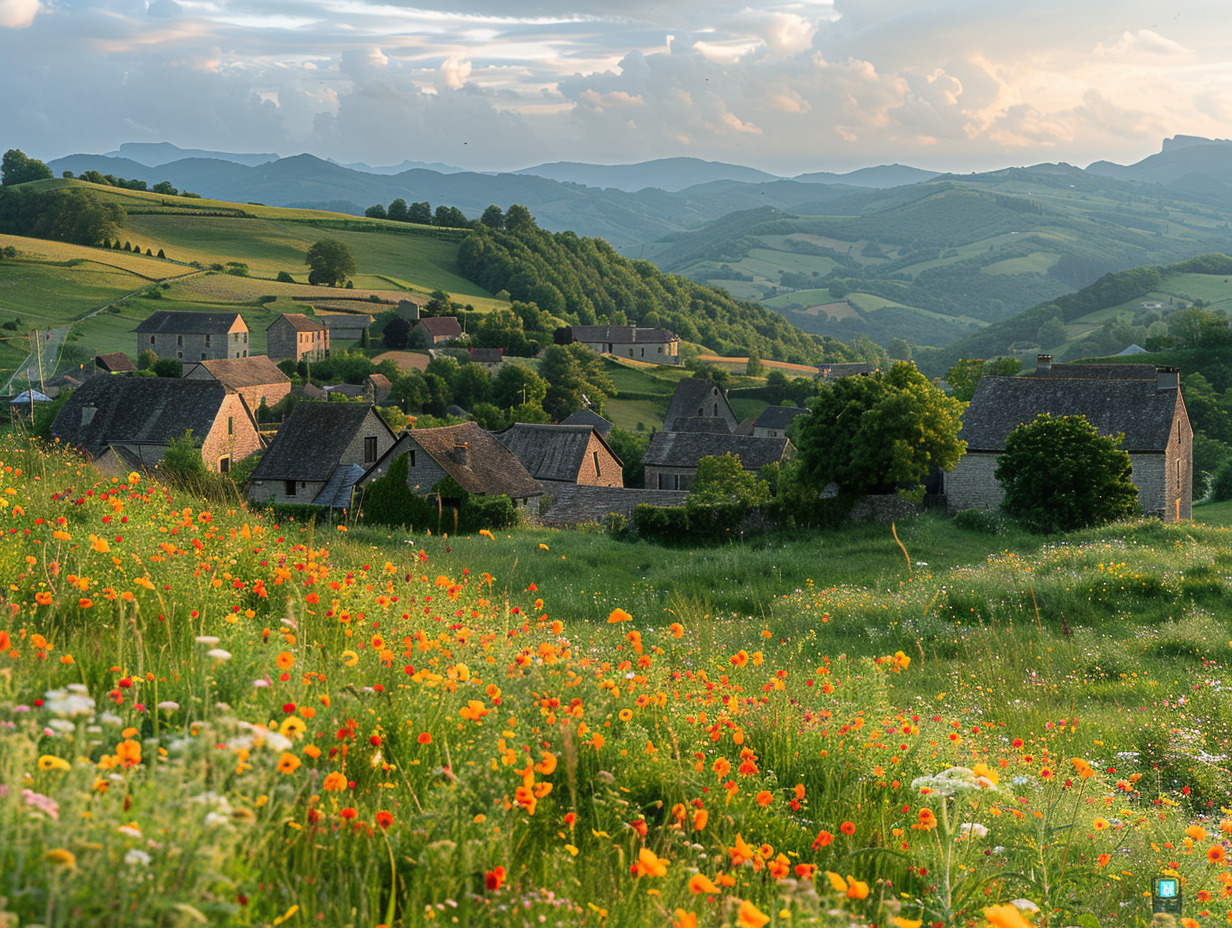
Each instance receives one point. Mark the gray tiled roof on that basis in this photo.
(166, 322)
(1135, 407)
(490, 467)
(1098, 372)
(693, 394)
(686, 449)
(622, 334)
(550, 452)
(586, 417)
(311, 442)
(778, 417)
(137, 409)
(336, 494)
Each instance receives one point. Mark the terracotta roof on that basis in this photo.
(586, 417)
(551, 452)
(115, 362)
(311, 442)
(255, 371)
(622, 334)
(581, 505)
(686, 449)
(1136, 407)
(778, 417)
(442, 326)
(490, 469)
(137, 409)
(165, 322)
(299, 322)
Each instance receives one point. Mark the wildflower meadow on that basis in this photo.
(211, 717)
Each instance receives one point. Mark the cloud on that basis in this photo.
(18, 14)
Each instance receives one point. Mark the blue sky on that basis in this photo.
(787, 87)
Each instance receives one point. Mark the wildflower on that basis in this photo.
(927, 820)
(900, 922)
(837, 883)
(1005, 916)
(384, 819)
(648, 864)
(684, 919)
(494, 879)
(129, 752)
(218, 654)
(823, 839)
(619, 615)
(749, 916)
(1217, 854)
(1103, 860)
(699, 819)
(700, 883)
(424, 738)
(285, 660)
(51, 762)
(856, 889)
(1197, 832)
(288, 763)
(62, 858)
(973, 829)
(764, 798)
(1101, 823)
(848, 828)
(474, 711)
(335, 782)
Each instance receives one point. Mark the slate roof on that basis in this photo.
(311, 442)
(692, 394)
(778, 417)
(1135, 407)
(299, 322)
(352, 390)
(255, 371)
(442, 326)
(686, 449)
(550, 452)
(1097, 372)
(336, 494)
(586, 417)
(490, 468)
(622, 334)
(581, 505)
(114, 362)
(137, 409)
(702, 424)
(165, 322)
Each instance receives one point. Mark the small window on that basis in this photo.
(224, 465)
(230, 425)
(290, 488)
(203, 356)
(179, 339)
(207, 341)
(370, 450)
(596, 457)
(412, 458)
(180, 355)
(151, 339)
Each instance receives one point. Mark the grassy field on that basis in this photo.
(209, 716)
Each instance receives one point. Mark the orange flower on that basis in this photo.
(1217, 854)
(699, 819)
(927, 821)
(1005, 916)
(648, 864)
(749, 916)
(700, 883)
(823, 839)
(856, 889)
(1104, 860)
(474, 710)
(722, 767)
(43, 599)
(285, 660)
(1101, 823)
(618, 615)
(764, 798)
(837, 883)
(335, 783)
(684, 919)
(288, 763)
(129, 752)
(424, 738)
(494, 879)
(741, 852)
(384, 819)
(1197, 832)
(847, 828)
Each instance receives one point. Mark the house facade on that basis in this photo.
(255, 378)
(295, 336)
(653, 345)
(1138, 400)
(774, 420)
(557, 455)
(697, 398)
(437, 330)
(126, 423)
(672, 458)
(317, 451)
(345, 327)
(189, 336)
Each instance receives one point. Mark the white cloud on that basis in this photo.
(18, 14)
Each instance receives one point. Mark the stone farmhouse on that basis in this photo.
(344, 327)
(189, 336)
(320, 453)
(698, 399)
(474, 458)
(774, 420)
(657, 346)
(126, 423)
(559, 455)
(438, 330)
(1139, 400)
(295, 336)
(672, 458)
(255, 378)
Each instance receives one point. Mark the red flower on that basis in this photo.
(847, 828)
(384, 819)
(494, 879)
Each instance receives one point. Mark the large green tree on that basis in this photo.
(18, 168)
(1060, 474)
(965, 375)
(870, 434)
(330, 262)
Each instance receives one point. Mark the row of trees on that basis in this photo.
(74, 215)
(449, 217)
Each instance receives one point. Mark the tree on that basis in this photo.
(518, 218)
(168, 367)
(397, 330)
(146, 359)
(165, 187)
(516, 385)
(1052, 333)
(1060, 474)
(377, 211)
(871, 433)
(838, 289)
(900, 349)
(330, 262)
(723, 479)
(17, 168)
(398, 211)
(755, 367)
(420, 213)
(965, 374)
(493, 217)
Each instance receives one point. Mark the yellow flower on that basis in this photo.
(350, 658)
(51, 762)
(134, 478)
(900, 922)
(62, 858)
(836, 881)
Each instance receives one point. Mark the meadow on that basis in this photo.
(208, 716)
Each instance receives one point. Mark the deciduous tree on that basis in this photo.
(330, 262)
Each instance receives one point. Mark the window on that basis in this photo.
(224, 465)
(370, 450)
(151, 339)
(411, 460)
(203, 356)
(179, 339)
(207, 341)
(180, 355)
(230, 425)
(596, 457)
(289, 490)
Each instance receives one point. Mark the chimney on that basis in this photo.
(1043, 364)
(1167, 378)
(459, 453)
(87, 414)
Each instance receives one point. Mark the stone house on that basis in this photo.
(115, 362)
(774, 420)
(295, 336)
(437, 330)
(672, 458)
(586, 417)
(654, 345)
(474, 458)
(490, 359)
(255, 378)
(1139, 400)
(126, 423)
(189, 336)
(698, 399)
(345, 327)
(557, 455)
(319, 453)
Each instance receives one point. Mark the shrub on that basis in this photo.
(980, 521)
(284, 278)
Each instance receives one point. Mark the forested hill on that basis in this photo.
(584, 281)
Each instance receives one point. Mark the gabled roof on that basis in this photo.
(298, 321)
(1136, 407)
(353, 390)
(622, 334)
(311, 442)
(442, 326)
(255, 371)
(490, 469)
(115, 362)
(586, 417)
(686, 449)
(696, 396)
(778, 417)
(336, 494)
(166, 322)
(1097, 372)
(551, 452)
(137, 409)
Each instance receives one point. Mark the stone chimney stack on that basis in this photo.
(1043, 364)
(460, 454)
(1167, 378)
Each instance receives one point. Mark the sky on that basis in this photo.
(788, 86)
